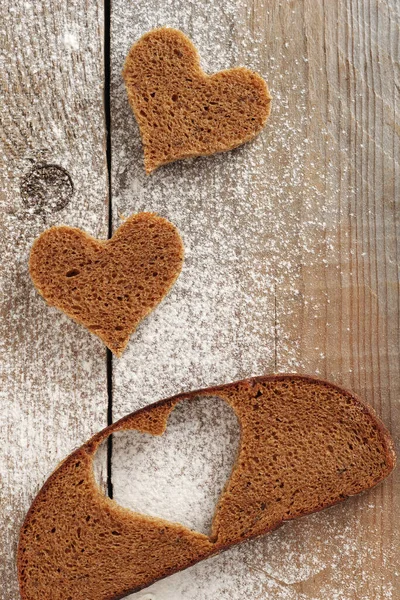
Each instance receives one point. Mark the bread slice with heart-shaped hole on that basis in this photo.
(305, 444)
(182, 112)
(108, 286)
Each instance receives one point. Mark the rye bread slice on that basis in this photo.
(108, 286)
(306, 444)
(183, 112)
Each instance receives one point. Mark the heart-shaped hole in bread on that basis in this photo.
(178, 476)
(182, 112)
(108, 286)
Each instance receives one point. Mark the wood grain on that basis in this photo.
(53, 373)
(292, 262)
(291, 257)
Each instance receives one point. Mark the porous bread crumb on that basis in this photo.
(181, 111)
(108, 286)
(305, 445)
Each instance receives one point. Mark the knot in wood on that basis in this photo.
(46, 188)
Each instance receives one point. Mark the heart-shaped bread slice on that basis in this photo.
(183, 112)
(108, 286)
(305, 444)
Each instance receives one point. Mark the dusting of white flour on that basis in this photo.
(180, 475)
(276, 239)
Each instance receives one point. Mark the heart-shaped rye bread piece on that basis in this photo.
(183, 112)
(108, 286)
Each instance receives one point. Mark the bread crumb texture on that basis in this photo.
(305, 445)
(183, 112)
(108, 286)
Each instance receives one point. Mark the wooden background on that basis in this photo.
(291, 257)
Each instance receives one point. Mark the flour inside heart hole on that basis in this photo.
(180, 475)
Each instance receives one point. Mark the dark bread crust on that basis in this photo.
(192, 546)
(182, 112)
(108, 286)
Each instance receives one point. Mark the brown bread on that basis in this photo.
(108, 286)
(305, 445)
(183, 112)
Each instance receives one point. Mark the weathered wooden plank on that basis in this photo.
(53, 373)
(292, 263)
(361, 334)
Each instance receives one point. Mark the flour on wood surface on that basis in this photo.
(278, 248)
(180, 475)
